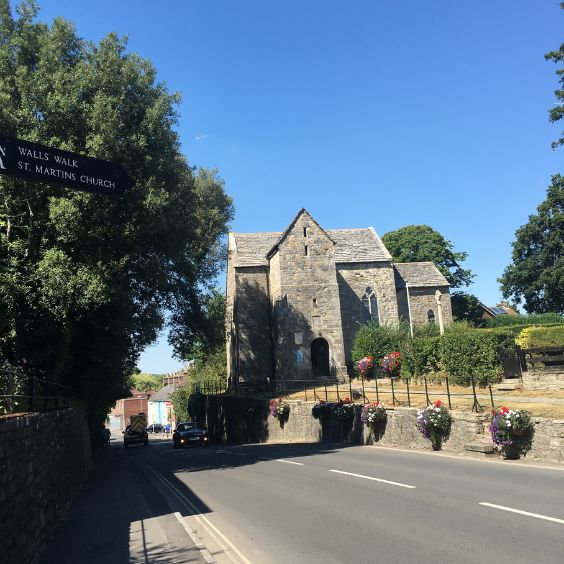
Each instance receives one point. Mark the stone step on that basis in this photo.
(479, 449)
(509, 385)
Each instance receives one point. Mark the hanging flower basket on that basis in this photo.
(365, 367)
(343, 410)
(391, 364)
(434, 422)
(280, 410)
(512, 430)
(375, 416)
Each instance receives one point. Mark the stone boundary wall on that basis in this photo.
(543, 379)
(244, 420)
(44, 458)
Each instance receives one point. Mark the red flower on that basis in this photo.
(438, 403)
(504, 410)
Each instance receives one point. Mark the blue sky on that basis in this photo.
(374, 112)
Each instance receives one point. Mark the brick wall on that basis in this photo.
(43, 460)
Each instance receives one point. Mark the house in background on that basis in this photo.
(160, 409)
(119, 416)
(500, 309)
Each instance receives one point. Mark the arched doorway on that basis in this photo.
(320, 358)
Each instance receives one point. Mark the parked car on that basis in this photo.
(132, 436)
(187, 434)
(155, 428)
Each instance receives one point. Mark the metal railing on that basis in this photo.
(21, 393)
(398, 391)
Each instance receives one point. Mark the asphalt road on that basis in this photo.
(305, 503)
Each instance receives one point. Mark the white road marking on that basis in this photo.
(203, 520)
(231, 452)
(374, 479)
(289, 462)
(536, 515)
(203, 550)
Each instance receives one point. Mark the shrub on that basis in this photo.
(420, 355)
(533, 319)
(467, 353)
(377, 340)
(531, 337)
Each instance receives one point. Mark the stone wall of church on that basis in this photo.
(308, 307)
(354, 279)
(421, 300)
(252, 319)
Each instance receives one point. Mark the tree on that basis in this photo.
(537, 273)
(557, 112)
(206, 338)
(467, 307)
(420, 243)
(147, 382)
(85, 280)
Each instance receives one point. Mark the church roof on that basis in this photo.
(351, 245)
(418, 274)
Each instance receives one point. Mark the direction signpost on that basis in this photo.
(39, 163)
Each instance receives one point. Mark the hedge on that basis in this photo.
(463, 352)
(533, 319)
(532, 337)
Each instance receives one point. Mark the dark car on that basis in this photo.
(134, 437)
(189, 434)
(155, 428)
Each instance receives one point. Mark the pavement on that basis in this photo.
(119, 517)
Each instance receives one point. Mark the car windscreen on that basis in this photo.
(185, 426)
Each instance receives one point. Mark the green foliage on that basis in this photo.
(209, 336)
(557, 112)
(147, 382)
(420, 243)
(179, 399)
(377, 340)
(467, 307)
(85, 280)
(521, 320)
(537, 273)
(532, 337)
(420, 356)
(467, 352)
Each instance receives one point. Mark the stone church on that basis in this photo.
(296, 299)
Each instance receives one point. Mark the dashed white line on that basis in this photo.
(289, 462)
(232, 452)
(374, 479)
(527, 513)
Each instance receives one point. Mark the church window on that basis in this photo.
(305, 231)
(314, 302)
(305, 250)
(370, 307)
(431, 316)
(299, 357)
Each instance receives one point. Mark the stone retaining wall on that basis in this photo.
(543, 379)
(244, 420)
(44, 457)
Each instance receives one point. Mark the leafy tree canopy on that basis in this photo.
(415, 243)
(86, 280)
(557, 112)
(147, 382)
(208, 336)
(536, 276)
(467, 307)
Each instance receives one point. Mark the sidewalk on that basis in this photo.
(118, 517)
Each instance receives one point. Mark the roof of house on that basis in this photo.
(418, 274)
(163, 394)
(351, 245)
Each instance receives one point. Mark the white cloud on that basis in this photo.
(201, 137)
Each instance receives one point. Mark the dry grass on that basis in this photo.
(461, 397)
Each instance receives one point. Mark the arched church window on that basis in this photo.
(431, 316)
(299, 357)
(370, 307)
